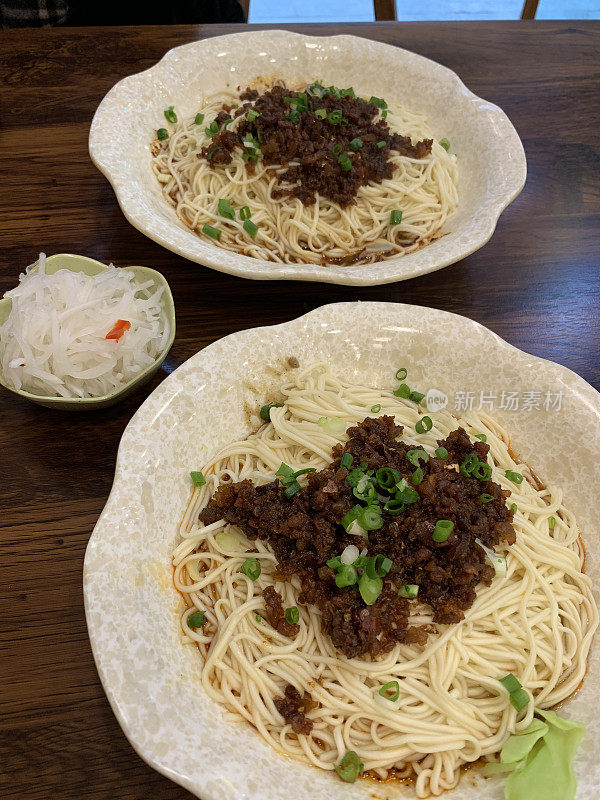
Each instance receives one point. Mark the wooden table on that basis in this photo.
(537, 284)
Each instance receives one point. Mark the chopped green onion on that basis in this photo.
(482, 471)
(258, 617)
(336, 149)
(409, 590)
(196, 620)
(321, 113)
(292, 489)
(350, 767)
(403, 391)
(515, 477)
(406, 494)
(394, 506)
(510, 683)
(345, 162)
(170, 115)
(245, 213)
(390, 686)
(551, 522)
(414, 456)
(225, 209)
(423, 425)
(379, 566)
(486, 498)
(416, 397)
(198, 478)
(417, 476)
(334, 426)
(335, 117)
(370, 518)
(227, 122)
(350, 517)
(387, 478)
(214, 233)
(378, 101)
(162, 133)
(376, 408)
(519, 699)
(252, 115)
(369, 588)
(395, 217)
(401, 374)
(443, 529)
(346, 460)
(481, 436)
(445, 144)
(286, 473)
(513, 507)
(442, 453)
(316, 89)
(198, 119)
(251, 568)
(292, 615)
(379, 145)
(212, 129)
(265, 411)
(469, 464)
(355, 144)
(346, 576)
(355, 476)
(365, 490)
(304, 471)
(212, 150)
(334, 563)
(250, 228)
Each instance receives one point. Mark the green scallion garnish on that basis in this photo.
(445, 144)
(355, 144)
(518, 696)
(393, 687)
(551, 522)
(481, 436)
(214, 233)
(252, 115)
(198, 478)
(416, 397)
(379, 145)
(369, 588)
(443, 529)
(265, 411)
(245, 213)
(291, 490)
(442, 453)
(515, 477)
(403, 391)
(336, 149)
(212, 129)
(376, 408)
(409, 590)
(378, 101)
(486, 498)
(401, 374)
(417, 476)
(196, 620)
(350, 767)
(482, 471)
(198, 119)
(414, 456)
(395, 217)
(513, 508)
(345, 162)
(170, 115)
(162, 133)
(423, 425)
(250, 228)
(251, 568)
(394, 506)
(346, 575)
(321, 113)
(370, 518)
(510, 683)
(292, 615)
(225, 209)
(346, 460)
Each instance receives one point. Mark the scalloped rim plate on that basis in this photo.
(492, 167)
(152, 679)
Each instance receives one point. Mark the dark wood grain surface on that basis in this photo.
(536, 283)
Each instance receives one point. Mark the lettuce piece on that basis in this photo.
(540, 759)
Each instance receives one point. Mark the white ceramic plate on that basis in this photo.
(491, 160)
(150, 678)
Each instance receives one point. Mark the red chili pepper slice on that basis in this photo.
(120, 326)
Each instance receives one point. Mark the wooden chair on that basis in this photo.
(385, 10)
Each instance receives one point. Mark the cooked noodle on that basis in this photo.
(425, 190)
(537, 622)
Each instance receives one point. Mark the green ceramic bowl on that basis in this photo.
(91, 267)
